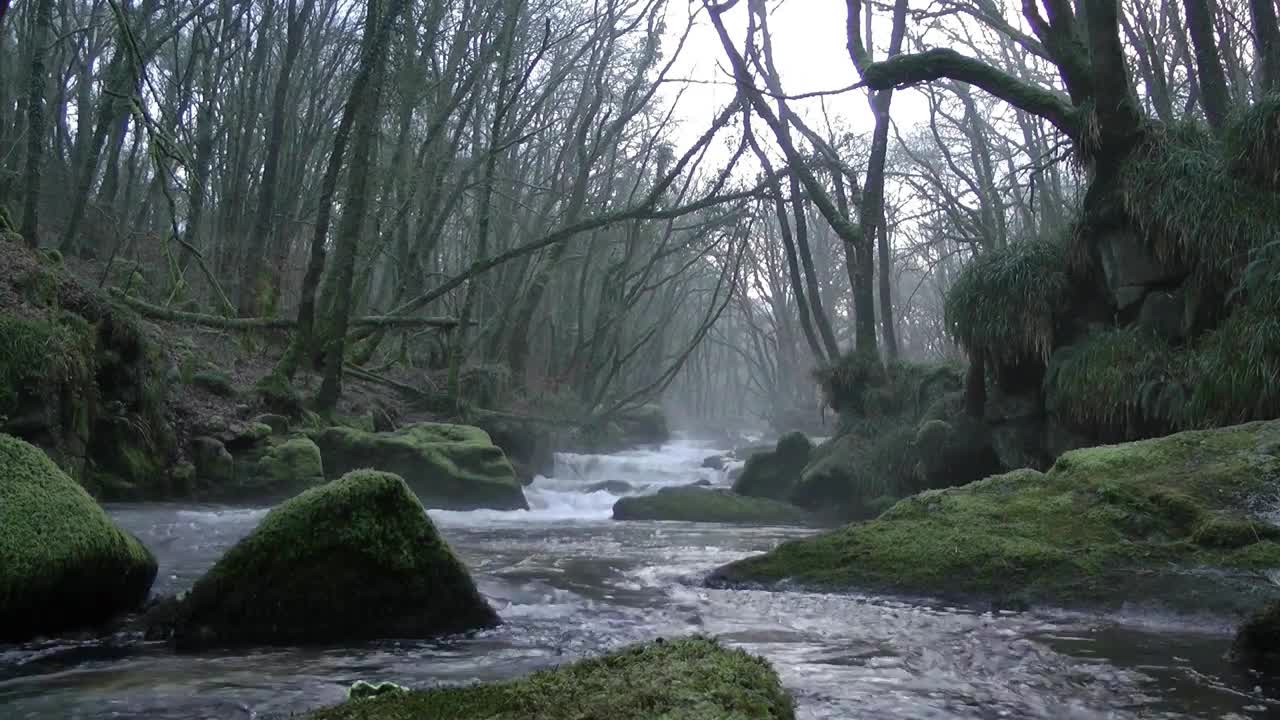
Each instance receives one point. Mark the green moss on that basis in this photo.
(356, 558)
(1125, 523)
(63, 562)
(849, 475)
(449, 466)
(283, 468)
(1232, 370)
(691, 678)
(214, 381)
(276, 395)
(698, 504)
(486, 385)
(1006, 302)
(37, 356)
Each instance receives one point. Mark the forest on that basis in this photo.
(335, 322)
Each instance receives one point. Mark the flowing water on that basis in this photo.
(571, 582)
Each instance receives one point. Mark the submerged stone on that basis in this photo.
(355, 559)
(454, 467)
(702, 504)
(692, 678)
(63, 563)
(1174, 522)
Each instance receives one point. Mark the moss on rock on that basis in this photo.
(354, 559)
(700, 504)
(63, 562)
(691, 678)
(772, 474)
(454, 467)
(1165, 521)
(216, 382)
(527, 443)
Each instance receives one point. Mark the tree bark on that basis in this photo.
(36, 122)
(1213, 82)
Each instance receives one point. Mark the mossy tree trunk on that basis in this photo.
(36, 122)
(1213, 83)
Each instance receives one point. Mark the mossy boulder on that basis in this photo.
(281, 468)
(529, 444)
(692, 678)
(954, 453)
(354, 559)
(1176, 522)
(645, 425)
(701, 504)
(1257, 642)
(772, 474)
(454, 467)
(63, 562)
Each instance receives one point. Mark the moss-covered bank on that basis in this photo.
(63, 562)
(686, 679)
(354, 559)
(455, 467)
(700, 504)
(1173, 522)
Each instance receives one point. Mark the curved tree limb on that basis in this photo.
(930, 65)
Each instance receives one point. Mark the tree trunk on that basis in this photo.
(36, 122)
(368, 95)
(1266, 44)
(257, 281)
(1213, 83)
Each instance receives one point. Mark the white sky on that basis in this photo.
(809, 46)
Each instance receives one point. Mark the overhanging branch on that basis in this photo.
(939, 63)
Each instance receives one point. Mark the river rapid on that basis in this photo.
(570, 582)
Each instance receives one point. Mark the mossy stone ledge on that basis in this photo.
(693, 678)
(63, 563)
(773, 474)
(1180, 522)
(355, 559)
(452, 467)
(701, 504)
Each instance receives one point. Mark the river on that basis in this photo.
(569, 582)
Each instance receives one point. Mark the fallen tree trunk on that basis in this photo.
(234, 323)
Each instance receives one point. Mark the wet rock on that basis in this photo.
(1166, 522)
(213, 462)
(63, 562)
(1257, 642)
(698, 504)
(355, 559)
(773, 474)
(527, 443)
(454, 467)
(279, 424)
(613, 487)
(215, 382)
(714, 462)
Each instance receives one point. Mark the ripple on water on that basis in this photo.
(570, 582)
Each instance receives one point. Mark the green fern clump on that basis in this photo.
(1119, 381)
(1189, 208)
(1006, 302)
(1251, 143)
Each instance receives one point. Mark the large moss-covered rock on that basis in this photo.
(354, 559)
(455, 467)
(281, 468)
(855, 476)
(529, 444)
(63, 562)
(700, 504)
(1177, 522)
(691, 678)
(772, 474)
(645, 425)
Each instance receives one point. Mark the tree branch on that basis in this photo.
(930, 65)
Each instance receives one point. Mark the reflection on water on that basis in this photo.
(571, 582)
